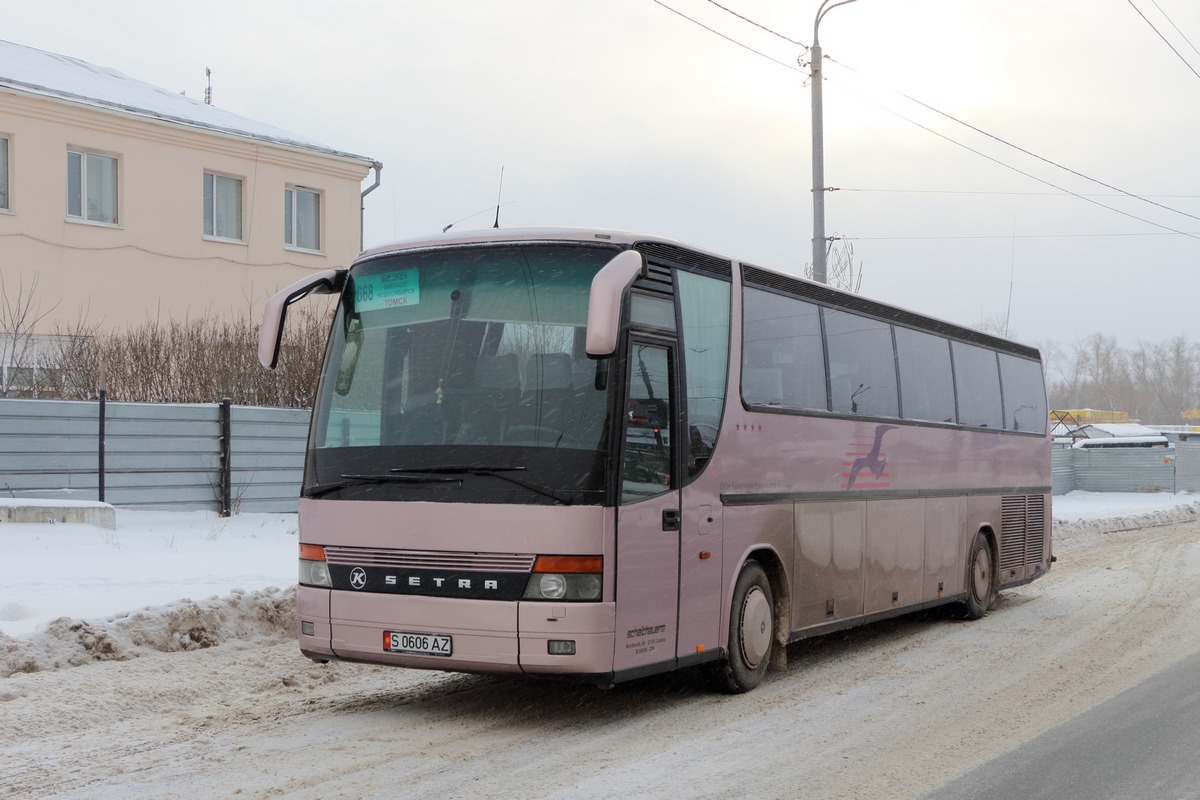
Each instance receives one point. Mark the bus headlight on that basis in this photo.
(313, 569)
(551, 586)
(578, 578)
(588, 587)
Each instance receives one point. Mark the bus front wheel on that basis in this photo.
(751, 633)
(981, 580)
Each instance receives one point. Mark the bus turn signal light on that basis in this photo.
(569, 564)
(312, 552)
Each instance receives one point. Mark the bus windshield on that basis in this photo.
(460, 375)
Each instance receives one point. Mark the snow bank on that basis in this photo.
(1078, 513)
(267, 614)
(68, 588)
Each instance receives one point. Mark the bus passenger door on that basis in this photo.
(648, 518)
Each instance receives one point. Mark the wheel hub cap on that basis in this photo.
(756, 627)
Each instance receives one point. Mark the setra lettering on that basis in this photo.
(438, 582)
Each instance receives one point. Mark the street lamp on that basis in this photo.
(818, 146)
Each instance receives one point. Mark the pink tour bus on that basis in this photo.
(601, 456)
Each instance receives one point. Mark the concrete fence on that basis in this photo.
(145, 455)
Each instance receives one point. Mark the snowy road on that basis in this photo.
(890, 711)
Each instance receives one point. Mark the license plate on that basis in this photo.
(425, 644)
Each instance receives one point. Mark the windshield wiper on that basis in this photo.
(454, 469)
(492, 472)
(368, 480)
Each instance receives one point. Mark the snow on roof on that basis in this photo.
(1100, 430)
(1120, 441)
(32, 71)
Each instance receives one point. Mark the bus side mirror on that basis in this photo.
(345, 375)
(270, 333)
(604, 302)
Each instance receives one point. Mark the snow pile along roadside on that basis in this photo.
(1079, 513)
(266, 614)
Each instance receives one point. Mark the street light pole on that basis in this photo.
(818, 147)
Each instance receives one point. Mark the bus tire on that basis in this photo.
(751, 633)
(981, 578)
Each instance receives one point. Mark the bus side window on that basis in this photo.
(977, 384)
(862, 363)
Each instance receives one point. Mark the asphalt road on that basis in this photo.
(1143, 743)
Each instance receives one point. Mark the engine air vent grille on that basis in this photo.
(428, 559)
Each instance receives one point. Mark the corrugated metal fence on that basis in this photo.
(1062, 468)
(1127, 469)
(171, 456)
(155, 455)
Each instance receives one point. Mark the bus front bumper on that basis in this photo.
(485, 635)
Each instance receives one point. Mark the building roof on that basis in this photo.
(28, 70)
(1103, 430)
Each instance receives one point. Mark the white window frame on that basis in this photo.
(219, 232)
(81, 200)
(5, 173)
(292, 218)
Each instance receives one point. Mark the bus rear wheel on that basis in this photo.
(751, 633)
(981, 580)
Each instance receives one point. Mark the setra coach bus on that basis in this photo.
(601, 456)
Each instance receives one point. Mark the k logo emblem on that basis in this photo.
(358, 578)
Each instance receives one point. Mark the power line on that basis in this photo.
(1086, 198)
(1042, 180)
(758, 25)
(1007, 236)
(1176, 27)
(1020, 149)
(993, 192)
(1165, 41)
(730, 39)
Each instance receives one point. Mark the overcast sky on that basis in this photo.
(624, 114)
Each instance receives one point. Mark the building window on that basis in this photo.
(301, 218)
(222, 207)
(4, 172)
(91, 187)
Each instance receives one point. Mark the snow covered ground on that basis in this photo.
(166, 581)
(886, 712)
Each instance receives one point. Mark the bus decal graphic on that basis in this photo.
(874, 461)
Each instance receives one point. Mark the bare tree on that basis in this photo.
(1169, 375)
(20, 314)
(841, 272)
(1156, 383)
(997, 325)
(189, 361)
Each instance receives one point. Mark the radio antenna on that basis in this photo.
(499, 192)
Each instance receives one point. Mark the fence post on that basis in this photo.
(100, 441)
(226, 459)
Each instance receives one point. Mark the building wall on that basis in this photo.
(156, 262)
